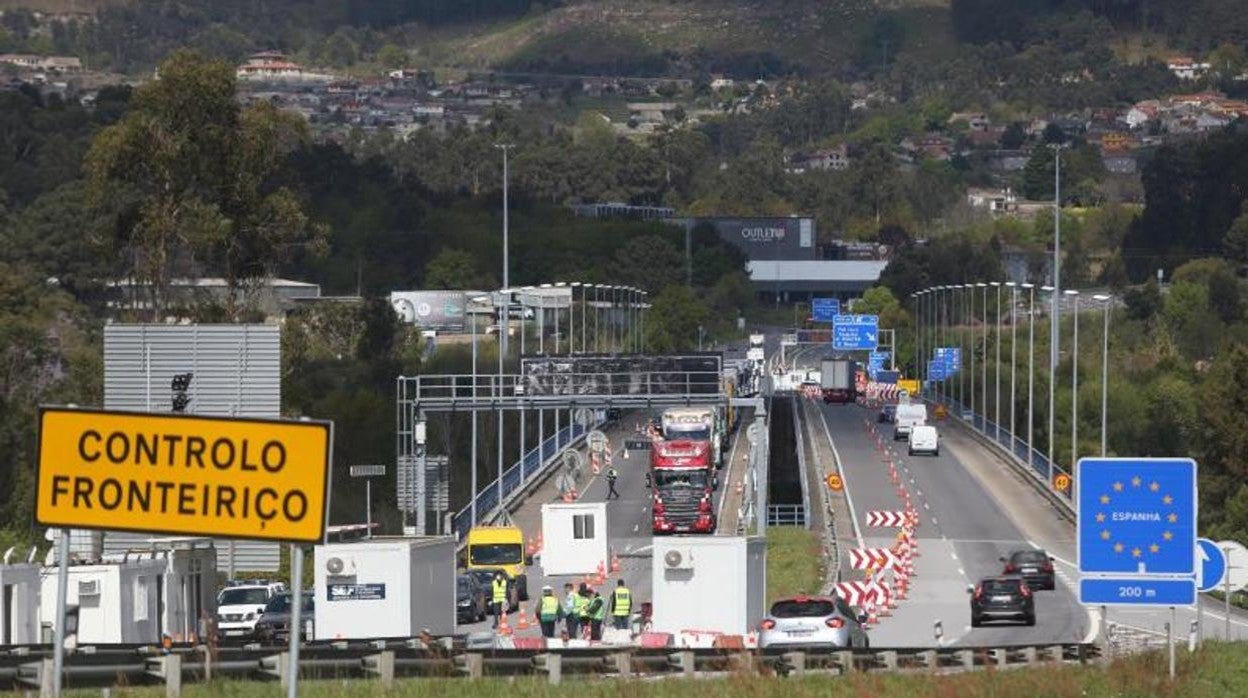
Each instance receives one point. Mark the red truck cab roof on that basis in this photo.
(681, 453)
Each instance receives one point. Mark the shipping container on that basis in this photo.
(708, 584)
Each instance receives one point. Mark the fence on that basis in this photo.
(517, 476)
(385, 659)
(786, 515)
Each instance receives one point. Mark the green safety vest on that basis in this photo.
(500, 590)
(623, 601)
(550, 608)
(582, 606)
(598, 609)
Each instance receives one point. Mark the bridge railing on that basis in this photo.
(622, 383)
(1039, 464)
(786, 515)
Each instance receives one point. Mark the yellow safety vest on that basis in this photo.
(582, 606)
(550, 608)
(500, 590)
(598, 608)
(623, 602)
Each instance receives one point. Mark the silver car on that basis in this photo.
(812, 621)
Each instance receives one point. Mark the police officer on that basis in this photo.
(571, 618)
(621, 605)
(498, 596)
(611, 475)
(597, 612)
(548, 611)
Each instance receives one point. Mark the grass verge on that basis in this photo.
(794, 562)
(1216, 670)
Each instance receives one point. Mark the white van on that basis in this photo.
(908, 416)
(924, 439)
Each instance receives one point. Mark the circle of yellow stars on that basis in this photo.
(1136, 483)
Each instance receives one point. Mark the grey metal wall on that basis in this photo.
(236, 372)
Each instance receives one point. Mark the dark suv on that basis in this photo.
(1002, 598)
(1035, 566)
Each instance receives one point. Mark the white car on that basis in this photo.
(240, 606)
(924, 439)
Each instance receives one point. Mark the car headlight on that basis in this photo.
(465, 602)
(250, 616)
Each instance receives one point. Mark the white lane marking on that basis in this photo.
(636, 527)
(961, 571)
(925, 506)
(953, 555)
(644, 548)
(732, 463)
(919, 492)
(935, 522)
(836, 457)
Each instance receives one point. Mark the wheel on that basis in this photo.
(1030, 620)
(911, 451)
(936, 453)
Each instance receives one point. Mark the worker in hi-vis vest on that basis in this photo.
(548, 611)
(498, 595)
(621, 606)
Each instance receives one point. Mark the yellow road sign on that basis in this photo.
(183, 474)
(909, 385)
(834, 482)
(1062, 482)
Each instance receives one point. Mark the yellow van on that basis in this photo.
(493, 548)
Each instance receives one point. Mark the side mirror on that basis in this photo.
(528, 560)
(970, 588)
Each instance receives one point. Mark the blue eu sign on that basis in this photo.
(1136, 516)
(824, 309)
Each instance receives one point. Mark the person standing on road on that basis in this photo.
(621, 605)
(571, 618)
(498, 595)
(582, 608)
(597, 612)
(548, 612)
(611, 475)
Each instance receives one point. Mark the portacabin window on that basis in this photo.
(582, 526)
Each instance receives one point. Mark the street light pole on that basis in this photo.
(997, 398)
(1104, 373)
(1074, 382)
(983, 378)
(1052, 381)
(1013, 358)
(1031, 372)
(1054, 318)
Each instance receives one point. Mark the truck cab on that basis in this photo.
(704, 423)
(492, 548)
(683, 484)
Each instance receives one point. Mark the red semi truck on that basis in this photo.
(682, 478)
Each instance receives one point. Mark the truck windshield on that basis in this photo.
(692, 433)
(495, 554)
(680, 478)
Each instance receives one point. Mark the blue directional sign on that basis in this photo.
(951, 357)
(936, 371)
(1136, 516)
(855, 332)
(1212, 564)
(1137, 591)
(824, 309)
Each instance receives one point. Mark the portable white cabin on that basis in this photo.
(708, 583)
(19, 599)
(574, 538)
(115, 602)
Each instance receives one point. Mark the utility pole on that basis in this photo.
(1054, 324)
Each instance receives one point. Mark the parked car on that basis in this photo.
(471, 605)
(813, 621)
(239, 607)
(887, 414)
(1002, 598)
(1035, 566)
(274, 625)
(924, 439)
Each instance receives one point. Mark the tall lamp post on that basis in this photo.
(1052, 381)
(1013, 359)
(1106, 301)
(1074, 381)
(983, 365)
(1031, 371)
(996, 400)
(1055, 316)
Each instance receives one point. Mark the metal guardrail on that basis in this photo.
(802, 463)
(385, 660)
(786, 515)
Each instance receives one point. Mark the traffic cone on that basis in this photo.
(522, 623)
(903, 585)
(615, 562)
(872, 617)
(503, 629)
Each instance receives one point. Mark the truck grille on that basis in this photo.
(681, 508)
(231, 617)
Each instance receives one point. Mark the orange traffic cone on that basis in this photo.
(522, 622)
(532, 547)
(503, 628)
(615, 562)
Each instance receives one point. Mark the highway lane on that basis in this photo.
(962, 534)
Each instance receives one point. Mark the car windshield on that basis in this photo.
(495, 554)
(254, 596)
(680, 478)
(1029, 557)
(1001, 586)
(690, 433)
(811, 608)
(463, 585)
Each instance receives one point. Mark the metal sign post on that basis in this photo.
(296, 619)
(368, 472)
(62, 593)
